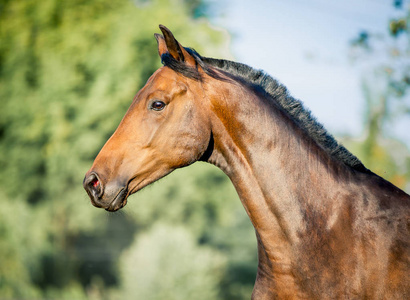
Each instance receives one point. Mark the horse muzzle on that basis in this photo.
(111, 197)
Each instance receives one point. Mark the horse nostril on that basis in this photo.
(93, 186)
(95, 182)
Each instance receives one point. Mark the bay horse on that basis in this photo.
(326, 226)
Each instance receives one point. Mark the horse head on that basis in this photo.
(165, 128)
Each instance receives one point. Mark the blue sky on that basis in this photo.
(305, 45)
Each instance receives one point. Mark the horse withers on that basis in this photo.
(326, 226)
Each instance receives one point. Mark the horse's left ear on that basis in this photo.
(162, 47)
(168, 43)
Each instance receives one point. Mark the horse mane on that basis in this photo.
(277, 92)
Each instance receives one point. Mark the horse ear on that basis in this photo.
(162, 47)
(174, 48)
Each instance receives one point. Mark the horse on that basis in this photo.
(326, 226)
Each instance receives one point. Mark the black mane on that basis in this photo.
(277, 92)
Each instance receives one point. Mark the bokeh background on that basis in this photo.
(68, 72)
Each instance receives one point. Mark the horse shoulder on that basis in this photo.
(383, 232)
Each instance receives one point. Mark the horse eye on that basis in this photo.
(157, 105)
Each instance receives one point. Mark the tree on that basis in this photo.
(68, 72)
(385, 59)
(167, 263)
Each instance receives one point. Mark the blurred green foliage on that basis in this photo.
(167, 263)
(385, 59)
(68, 72)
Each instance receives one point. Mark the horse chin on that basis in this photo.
(119, 201)
(133, 186)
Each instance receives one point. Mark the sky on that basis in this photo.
(305, 45)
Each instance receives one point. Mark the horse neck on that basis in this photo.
(279, 172)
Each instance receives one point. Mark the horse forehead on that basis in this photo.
(165, 78)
